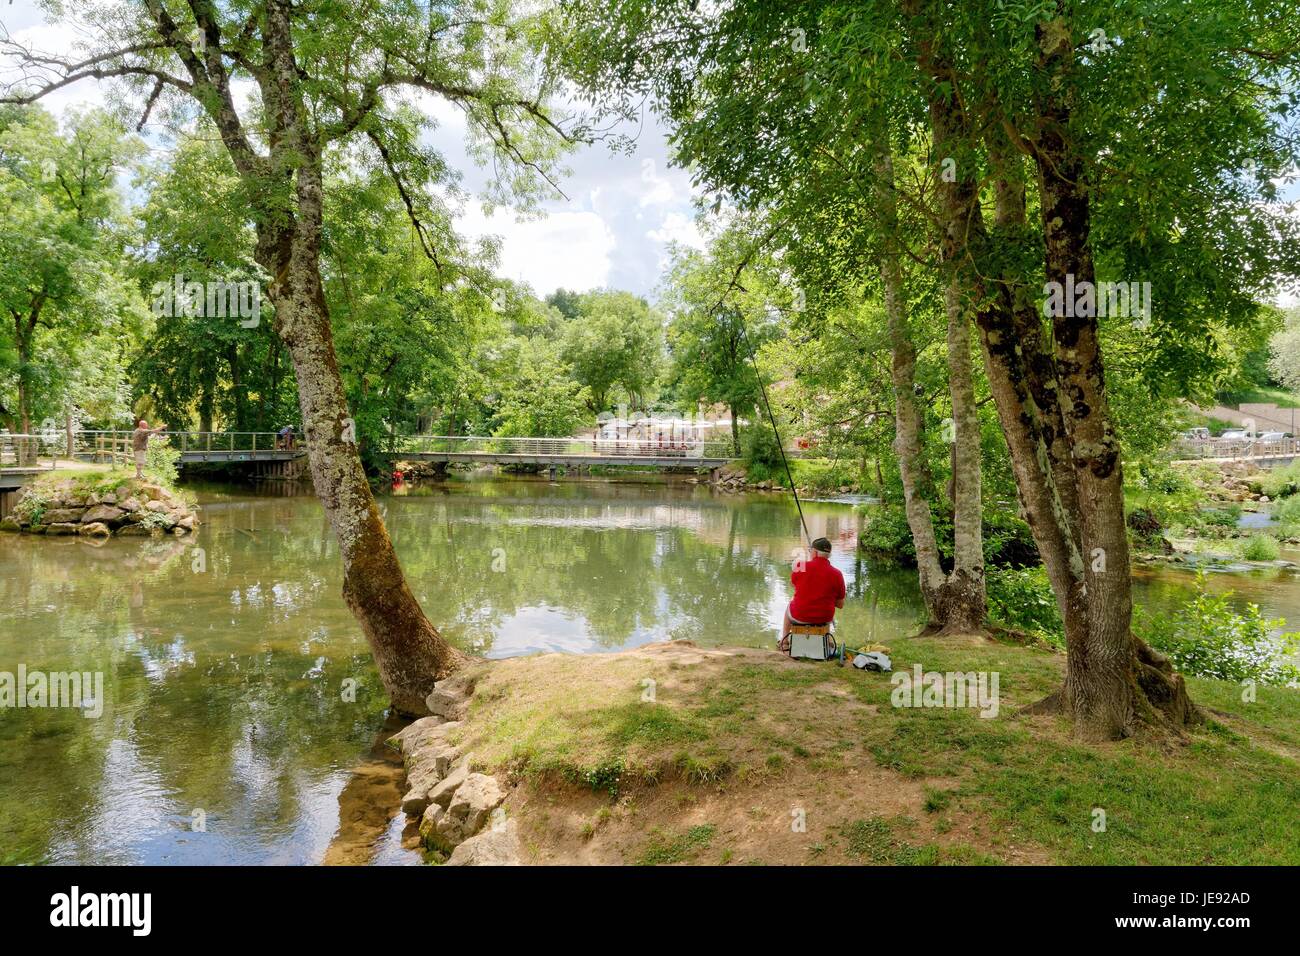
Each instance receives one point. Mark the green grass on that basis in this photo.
(1261, 395)
(1226, 796)
(663, 849)
(1260, 547)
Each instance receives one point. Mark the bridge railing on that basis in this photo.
(28, 451)
(657, 447)
(1236, 448)
(102, 446)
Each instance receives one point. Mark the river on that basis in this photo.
(242, 716)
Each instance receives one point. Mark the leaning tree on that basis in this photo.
(289, 86)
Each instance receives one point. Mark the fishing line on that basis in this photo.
(744, 333)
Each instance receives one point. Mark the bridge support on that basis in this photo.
(288, 470)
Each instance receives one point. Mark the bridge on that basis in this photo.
(659, 452)
(22, 456)
(1265, 453)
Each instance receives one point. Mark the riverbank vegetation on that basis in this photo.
(679, 754)
(897, 201)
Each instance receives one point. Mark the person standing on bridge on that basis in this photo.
(140, 443)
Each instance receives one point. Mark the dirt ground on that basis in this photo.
(827, 802)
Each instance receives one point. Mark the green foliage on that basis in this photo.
(1260, 547)
(1208, 637)
(1219, 522)
(761, 450)
(613, 343)
(821, 475)
(162, 461)
(69, 308)
(1022, 598)
(886, 535)
(542, 400)
(1167, 494)
(1281, 482)
(1283, 354)
(710, 334)
(32, 505)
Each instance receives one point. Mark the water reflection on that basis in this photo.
(239, 693)
(226, 736)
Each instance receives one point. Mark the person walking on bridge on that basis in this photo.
(140, 444)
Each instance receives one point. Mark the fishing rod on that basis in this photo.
(780, 444)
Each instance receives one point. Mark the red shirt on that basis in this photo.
(818, 584)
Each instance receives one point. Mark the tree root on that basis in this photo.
(1163, 688)
(1159, 699)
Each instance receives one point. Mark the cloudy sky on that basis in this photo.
(612, 231)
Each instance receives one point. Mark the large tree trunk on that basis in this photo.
(964, 589)
(409, 652)
(1064, 454)
(1112, 682)
(954, 602)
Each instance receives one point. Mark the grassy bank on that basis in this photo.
(674, 753)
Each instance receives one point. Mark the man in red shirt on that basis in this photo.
(818, 590)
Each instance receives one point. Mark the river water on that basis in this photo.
(241, 715)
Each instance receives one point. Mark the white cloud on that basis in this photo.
(680, 228)
(571, 250)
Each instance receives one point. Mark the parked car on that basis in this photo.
(1197, 434)
(1273, 437)
(1236, 434)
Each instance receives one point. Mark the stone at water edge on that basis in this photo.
(474, 799)
(63, 516)
(495, 846)
(418, 785)
(420, 733)
(436, 753)
(447, 787)
(429, 824)
(96, 529)
(424, 769)
(103, 514)
(448, 702)
(63, 528)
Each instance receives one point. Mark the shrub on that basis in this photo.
(1281, 482)
(821, 474)
(1022, 598)
(1260, 547)
(1145, 524)
(886, 535)
(162, 461)
(759, 448)
(1008, 542)
(32, 506)
(1209, 638)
